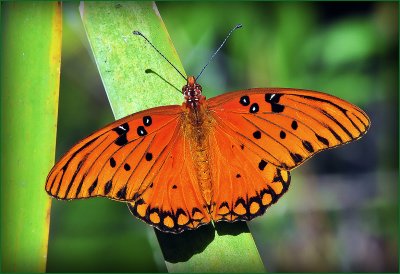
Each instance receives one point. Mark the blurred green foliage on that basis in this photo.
(341, 213)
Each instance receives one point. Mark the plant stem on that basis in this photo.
(30, 73)
(123, 60)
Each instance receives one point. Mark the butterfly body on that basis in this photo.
(227, 158)
(197, 126)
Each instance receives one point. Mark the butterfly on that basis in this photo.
(227, 158)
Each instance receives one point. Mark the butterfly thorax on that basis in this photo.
(192, 93)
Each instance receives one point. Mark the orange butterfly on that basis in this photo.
(223, 159)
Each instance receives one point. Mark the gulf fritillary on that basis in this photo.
(223, 159)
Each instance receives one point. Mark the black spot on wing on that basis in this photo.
(121, 130)
(112, 162)
(296, 157)
(257, 134)
(307, 145)
(254, 108)
(121, 194)
(244, 100)
(282, 134)
(149, 156)
(121, 140)
(147, 121)
(277, 108)
(92, 187)
(262, 164)
(127, 167)
(322, 140)
(294, 125)
(107, 187)
(141, 131)
(273, 99)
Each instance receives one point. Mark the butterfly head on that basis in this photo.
(192, 92)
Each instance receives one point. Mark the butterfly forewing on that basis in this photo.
(288, 126)
(114, 161)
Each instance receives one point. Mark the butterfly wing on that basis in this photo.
(261, 134)
(117, 160)
(244, 185)
(173, 202)
(141, 159)
(288, 126)
(258, 136)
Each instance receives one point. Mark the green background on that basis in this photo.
(341, 213)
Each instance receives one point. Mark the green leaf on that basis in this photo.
(123, 59)
(30, 73)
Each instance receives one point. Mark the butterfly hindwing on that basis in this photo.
(244, 184)
(288, 126)
(173, 202)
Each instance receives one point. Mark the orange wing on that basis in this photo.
(141, 159)
(288, 126)
(244, 185)
(173, 202)
(117, 160)
(261, 134)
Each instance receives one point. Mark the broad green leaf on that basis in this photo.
(30, 73)
(123, 60)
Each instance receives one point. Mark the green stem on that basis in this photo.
(123, 60)
(30, 73)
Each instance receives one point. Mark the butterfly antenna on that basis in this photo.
(135, 32)
(215, 53)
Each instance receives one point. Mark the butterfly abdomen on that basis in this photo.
(198, 128)
(201, 160)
